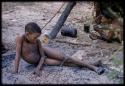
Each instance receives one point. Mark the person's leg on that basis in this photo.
(97, 63)
(53, 53)
(49, 61)
(57, 55)
(93, 67)
(79, 62)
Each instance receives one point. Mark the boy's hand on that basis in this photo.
(14, 72)
(36, 72)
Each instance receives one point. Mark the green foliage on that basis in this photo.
(112, 74)
(117, 57)
(121, 81)
(117, 61)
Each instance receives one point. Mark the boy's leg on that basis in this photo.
(85, 64)
(49, 61)
(59, 56)
(97, 63)
(53, 53)
(81, 63)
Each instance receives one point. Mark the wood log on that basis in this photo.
(61, 20)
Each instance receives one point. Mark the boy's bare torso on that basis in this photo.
(30, 51)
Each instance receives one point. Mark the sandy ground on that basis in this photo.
(14, 18)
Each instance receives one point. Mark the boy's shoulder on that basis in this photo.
(19, 38)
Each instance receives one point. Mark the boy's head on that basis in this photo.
(32, 31)
(32, 28)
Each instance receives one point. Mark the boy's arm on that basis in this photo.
(18, 52)
(42, 57)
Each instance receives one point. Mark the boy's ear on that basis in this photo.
(27, 33)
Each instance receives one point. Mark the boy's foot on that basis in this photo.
(98, 63)
(100, 70)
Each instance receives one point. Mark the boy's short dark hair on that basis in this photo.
(32, 27)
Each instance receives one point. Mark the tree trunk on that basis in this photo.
(61, 20)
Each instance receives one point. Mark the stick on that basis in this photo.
(85, 44)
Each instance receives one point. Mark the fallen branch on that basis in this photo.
(61, 20)
(84, 44)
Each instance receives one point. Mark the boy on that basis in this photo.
(30, 49)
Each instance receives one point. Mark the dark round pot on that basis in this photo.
(86, 28)
(71, 32)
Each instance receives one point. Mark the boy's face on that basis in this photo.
(32, 36)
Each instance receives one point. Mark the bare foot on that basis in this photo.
(14, 72)
(97, 63)
(37, 72)
(100, 70)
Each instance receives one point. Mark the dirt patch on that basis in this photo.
(49, 74)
